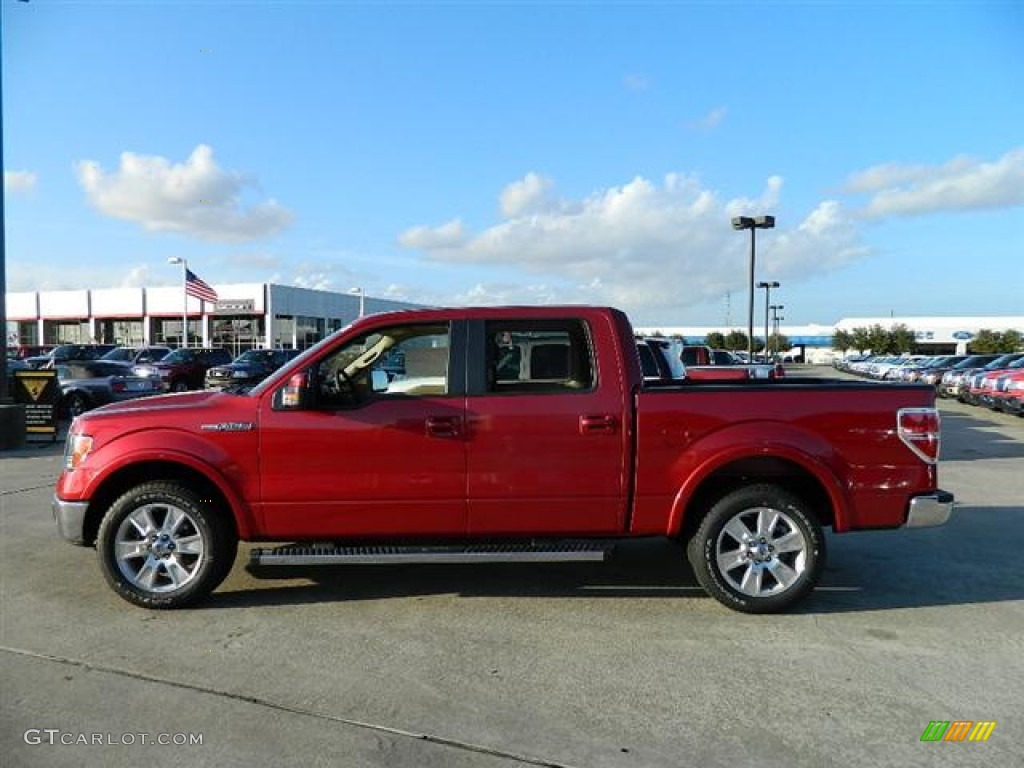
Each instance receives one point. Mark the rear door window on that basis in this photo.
(538, 356)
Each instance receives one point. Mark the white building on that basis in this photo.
(239, 320)
(934, 335)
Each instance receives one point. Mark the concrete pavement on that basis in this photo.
(621, 664)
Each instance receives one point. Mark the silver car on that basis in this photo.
(90, 383)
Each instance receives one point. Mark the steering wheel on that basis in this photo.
(343, 383)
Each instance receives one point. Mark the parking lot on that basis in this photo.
(620, 664)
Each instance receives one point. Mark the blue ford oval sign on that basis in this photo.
(963, 335)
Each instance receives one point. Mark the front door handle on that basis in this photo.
(603, 424)
(444, 426)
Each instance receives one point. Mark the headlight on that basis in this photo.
(240, 375)
(75, 450)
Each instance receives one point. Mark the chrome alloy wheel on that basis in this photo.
(158, 548)
(761, 552)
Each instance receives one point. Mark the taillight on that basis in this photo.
(117, 385)
(919, 429)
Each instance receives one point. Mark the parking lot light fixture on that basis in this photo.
(776, 319)
(752, 223)
(767, 301)
(362, 299)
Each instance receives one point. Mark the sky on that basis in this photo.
(458, 153)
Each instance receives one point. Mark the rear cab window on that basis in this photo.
(538, 356)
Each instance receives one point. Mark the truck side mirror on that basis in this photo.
(294, 395)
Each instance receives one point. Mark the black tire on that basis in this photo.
(770, 572)
(179, 385)
(159, 572)
(77, 404)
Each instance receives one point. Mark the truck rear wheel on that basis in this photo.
(758, 550)
(161, 547)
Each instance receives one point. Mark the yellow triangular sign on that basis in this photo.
(34, 387)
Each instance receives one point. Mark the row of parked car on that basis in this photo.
(664, 359)
(993, 381)
(91, 375)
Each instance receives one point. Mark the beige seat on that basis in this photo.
(426, 372)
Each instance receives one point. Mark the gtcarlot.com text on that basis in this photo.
(55, 736)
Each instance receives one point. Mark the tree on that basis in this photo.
(715, 340)
(778, 342)
(736, 341)
(861, 340)
(1013, 341)
(902, 339)
(842, 341)
(985, 342)
(995, 342)
(881, 340)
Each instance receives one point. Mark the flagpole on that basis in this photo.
(184, 303)
(184, 296)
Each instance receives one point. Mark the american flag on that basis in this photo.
(196, 286)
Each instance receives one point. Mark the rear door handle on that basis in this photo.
(444, 426)
(603, 424)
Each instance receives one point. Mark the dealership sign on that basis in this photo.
(235, 306)
(39, 392)
(963, 335)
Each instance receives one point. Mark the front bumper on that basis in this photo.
(70, 519)
(931, 510)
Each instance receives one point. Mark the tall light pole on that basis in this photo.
(362, 299)
(752, 223)
(767, 300)
(184, 296)
(776, 308)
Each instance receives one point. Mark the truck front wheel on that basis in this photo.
(758, 550)
(161, 547)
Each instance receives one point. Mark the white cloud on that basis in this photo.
(644, 246)
(528, 195)
(448, 235)
(320, 281)
(710, 121)
(196, 198)
(482, 293)
(52, 275)
(19, 181)
(962, 184)
(138, 276)
(322, 274)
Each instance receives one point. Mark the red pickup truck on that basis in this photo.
(495, 434)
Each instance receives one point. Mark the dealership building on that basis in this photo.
(245, 315)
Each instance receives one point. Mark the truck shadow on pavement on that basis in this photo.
(978, 439)
(971, 560)
(639, 568)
